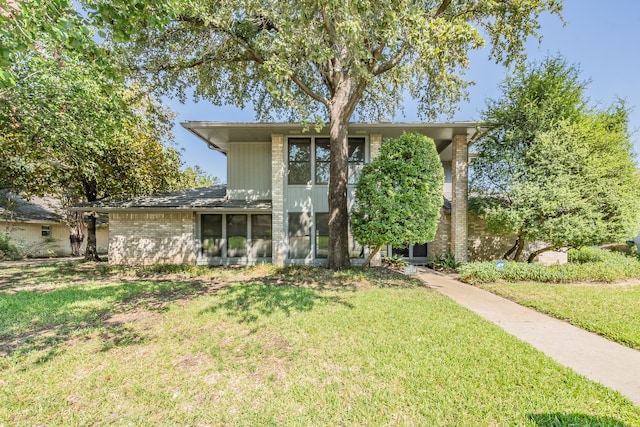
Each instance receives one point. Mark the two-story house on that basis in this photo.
(274, 205)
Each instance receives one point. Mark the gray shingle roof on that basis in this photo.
(16, 208)
(190, 199)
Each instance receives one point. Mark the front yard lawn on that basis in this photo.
(611, 310)
(96, 345)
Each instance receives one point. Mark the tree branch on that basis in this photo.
(308, 91)
(383, 68)
(442, 8)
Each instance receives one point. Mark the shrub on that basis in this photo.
(587, 254)
(445, 262)
(10, 249)
(609, 268)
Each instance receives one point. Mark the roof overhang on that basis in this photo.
(218, 135)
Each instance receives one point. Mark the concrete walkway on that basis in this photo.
(595, 357)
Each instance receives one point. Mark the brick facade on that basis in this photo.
(140, 238)
(487, 246)
(459, 184)
(278, 168)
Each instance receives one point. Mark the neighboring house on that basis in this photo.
(38, 228)
(274, 206)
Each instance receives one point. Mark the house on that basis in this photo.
(38, 227)
(274, 205)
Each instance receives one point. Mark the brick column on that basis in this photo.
(277, 199)
(375, 141)
(460, 192)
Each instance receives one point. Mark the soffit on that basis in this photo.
(218, 135)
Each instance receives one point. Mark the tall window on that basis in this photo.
(236, 235)
(299, 156)
(322, 235)
(211, 234)
(322, 160)
(299, 233)
(261, 236)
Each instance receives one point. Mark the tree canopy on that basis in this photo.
(399, 195)
(321, 61)
(70, 130)
(551, 167)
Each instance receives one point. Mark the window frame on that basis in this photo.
(314, 143)
(224, 236)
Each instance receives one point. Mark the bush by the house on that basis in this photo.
(9, 248)
(585, 266)
(443, 262)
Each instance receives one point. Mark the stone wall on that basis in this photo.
(152, 238)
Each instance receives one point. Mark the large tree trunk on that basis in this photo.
(91, 192)
(76, 232)
(338, 179)
(520, 248)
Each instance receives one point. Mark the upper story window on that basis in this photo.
(299, 161)
(301, 165)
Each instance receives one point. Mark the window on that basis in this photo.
(299, 230)
(420, 250)
(356, 159)
(261, 236)
(236, 235)
(299, 155)
(211, 234)
(322, 235)
(322, 160)
(299, 160)
(45, 230)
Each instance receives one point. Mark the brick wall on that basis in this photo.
(459, 190)
(442, 242)
(150, 238)
(485, 246)
(277, 199)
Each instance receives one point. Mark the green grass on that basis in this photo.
(86, 345)
(611, 310)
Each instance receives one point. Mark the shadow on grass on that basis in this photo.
(574, 420)
(44, 306)
(249, 301)
(42, 321)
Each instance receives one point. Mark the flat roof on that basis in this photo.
(218, 135)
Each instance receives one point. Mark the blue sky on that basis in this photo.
(601, 37)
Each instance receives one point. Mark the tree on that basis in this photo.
(399, 195)
(25, 24)
(195, 177)
(70, 130)
(552, 168)
(319, 60)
